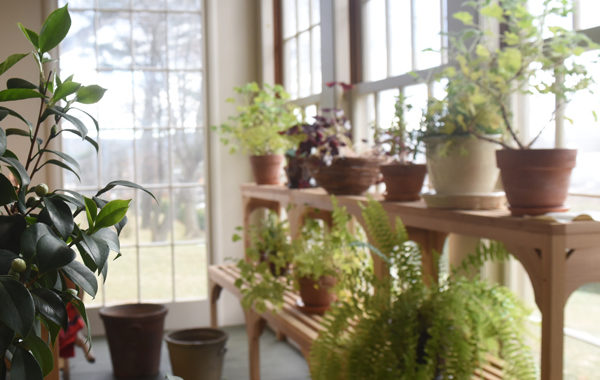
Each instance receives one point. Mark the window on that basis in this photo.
(149, 56)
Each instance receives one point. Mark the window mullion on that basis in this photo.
(413, 37)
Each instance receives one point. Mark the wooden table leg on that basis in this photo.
(255, 325)
(431, 243)
(215, 293)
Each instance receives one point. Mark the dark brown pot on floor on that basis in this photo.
(267, 168)
(536, 181)
(134, 333)
(348, 175)
(403, 182)
(316, 296)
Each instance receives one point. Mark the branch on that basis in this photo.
(39, 123)
(509, 125)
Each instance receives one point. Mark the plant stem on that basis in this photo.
(509, 125)
(39, 122)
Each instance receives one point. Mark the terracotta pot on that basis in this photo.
(317, 296)
(403, 182)
(298, 173)
(197, 354)
(462, 165)
(267, 168)
(348, 175)
(134, 333)
(536, 181)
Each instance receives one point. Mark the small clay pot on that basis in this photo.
(403, 182)
(348, 175)
(536, 181)
(266, 169)
(316, 296)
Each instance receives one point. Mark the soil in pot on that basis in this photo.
(403, 182)
(316, 296)
(197, 354)
(267, 169)
(536, 181)
(134, 333)
(348, 175)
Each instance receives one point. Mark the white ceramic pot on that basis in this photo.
(461, 165)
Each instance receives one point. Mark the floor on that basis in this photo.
(279, 360)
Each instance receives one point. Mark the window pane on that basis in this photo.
(114, 43)
(185, 41)
(113, 4)
(150, 4)
(316, 60)
(305, 63)
(185, 95)
(315, 11)
(78, 54)
(155, 218)
(188, 156)
(116, 151)
(400, 37)
(374, 40)
(385, 107)
(190, 217)
(427, 33)
(536, 7)
(186, 5)
(86, 155)
(416, 96)
(303, 14)
(587, 13)
(156, 274)
(149, 39)
(121, 285)
(152, 151)
(289, 18)
(151, 102)
(76, 4)
(290, 67)
(190, 272)
(116, 108)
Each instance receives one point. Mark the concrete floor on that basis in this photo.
(279, 360)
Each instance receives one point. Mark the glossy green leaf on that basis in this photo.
(19, 170)
(98, 250)
(18, 94)
(110, 237)
(62, 165)
(87, 138)
(66, 157)
(90, 94)
(17, 311)
(6, 337)
(60, 215)
(20, 83)
(3, 114)
(112, 213)
(24, 366)
(41, 352)
(55, 29)
(132, 185)
(30, 238)
(2, 141)
(86, 255)
(64, 90)
(90, 116)
(10, 62)
(6, 258)
(30, 34)
(53, 253)
(74, 197)
(50, 305)
(73, 120)
(119, 226)
(91, 211)
(17, 131)
(79, 305)
(82, 276)
(7, 191)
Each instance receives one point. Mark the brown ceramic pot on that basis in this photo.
(317, 296)
(536, 181)
(348, 175)
(267, 168)
(134, 333)
(403, 182)
(197, 354)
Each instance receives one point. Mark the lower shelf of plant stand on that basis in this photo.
(487, 201)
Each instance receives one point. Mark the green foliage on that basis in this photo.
(400, 328)
(39, 239)
(261, 119)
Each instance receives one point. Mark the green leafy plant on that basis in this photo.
(489, 75)
(398, 327)
(262, 278)
(263, 114)
(39, 236)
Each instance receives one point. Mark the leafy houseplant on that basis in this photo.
(39, 238)
(263, 114)
(519, 66)
(398, 327)
(403, 178)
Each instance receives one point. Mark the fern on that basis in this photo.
(402, 329)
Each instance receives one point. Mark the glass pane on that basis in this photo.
(427, 32)
(116, 108)
(305, 64)
(190, 218)
(385, 107)
(587, 13)
(185, 41)
(190, 272)
(536, 7)
(189, 5)
(74, 4)
(116, 154)
(310, 112)
(400, 37)
(86, 155)
(149, 39)
(77, 54)
(542, 120)
(156, 274)
(374, 40)
(188, 156)
(152, 156)
(150, 4)
(416, 96)
(155, 219)
(114, 43)
(121, 285)
(290, 67)
(316, 60)
(289, 18)
(151, 99)
(185, 91)
(315, 9)
(303, 14)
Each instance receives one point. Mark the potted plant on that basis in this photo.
(255, 129)
(535, 180)
(399, 327)
(39, 237)
(403, 178)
